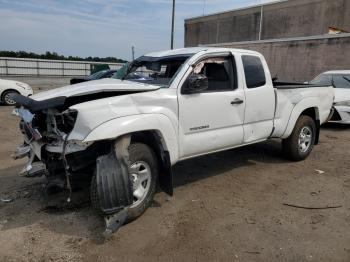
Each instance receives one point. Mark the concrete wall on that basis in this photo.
(302, 59)
(293, 18)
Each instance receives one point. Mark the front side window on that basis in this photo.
(254, 71)
(341, 81)
(219, 71)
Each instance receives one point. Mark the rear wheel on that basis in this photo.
(300, 143)
(6, 97)
(143, 174)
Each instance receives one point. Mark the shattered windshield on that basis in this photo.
(152, 70)
(96, 75)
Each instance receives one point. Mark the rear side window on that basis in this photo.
(254, 71)
(341, 81)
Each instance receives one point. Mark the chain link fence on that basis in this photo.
(42, 67)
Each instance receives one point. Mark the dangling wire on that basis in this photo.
(66, 168)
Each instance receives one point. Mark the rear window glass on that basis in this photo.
(254, 71)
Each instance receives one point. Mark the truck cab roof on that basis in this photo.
(195, 50)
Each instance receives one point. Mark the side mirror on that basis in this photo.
(195, 84)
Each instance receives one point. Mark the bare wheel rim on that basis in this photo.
(140, 173)
(305, 138)
(8, 100)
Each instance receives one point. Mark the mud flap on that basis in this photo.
(166, 175)
(318, 127)
(114, 188)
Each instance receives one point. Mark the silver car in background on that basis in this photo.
(341, 82)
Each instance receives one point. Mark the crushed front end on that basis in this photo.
(69, 164)
(64, 163)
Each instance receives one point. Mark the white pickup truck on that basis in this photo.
(122, 135)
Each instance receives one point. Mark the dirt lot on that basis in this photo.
(226, 207)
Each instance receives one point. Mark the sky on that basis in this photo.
(100, 27)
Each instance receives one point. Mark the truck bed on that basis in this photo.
(289, 85)
(288, 96)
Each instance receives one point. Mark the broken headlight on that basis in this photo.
(66, 120)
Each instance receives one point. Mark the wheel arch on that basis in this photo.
(154, 130)
(153, 139)
(309, 108)
(158, 124)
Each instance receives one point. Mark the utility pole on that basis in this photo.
(261, 19)
(204, 4)
(172, 26)
(133, 53)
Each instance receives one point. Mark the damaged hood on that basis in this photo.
(93, 87)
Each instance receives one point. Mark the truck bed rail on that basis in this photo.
(288, 85)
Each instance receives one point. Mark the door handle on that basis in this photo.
(237, 101)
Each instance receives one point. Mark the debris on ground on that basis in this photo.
(6, 200)
(320, 172)
(304, 207)
(253, 252)
(250, 220)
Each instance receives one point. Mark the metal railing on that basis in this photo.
(41, 67)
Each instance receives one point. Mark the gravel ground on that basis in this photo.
(228, 206)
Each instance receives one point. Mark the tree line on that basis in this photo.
(55, 56)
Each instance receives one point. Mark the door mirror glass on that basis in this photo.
(196, 83)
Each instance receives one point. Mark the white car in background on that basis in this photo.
(8, 87)
(341, 82)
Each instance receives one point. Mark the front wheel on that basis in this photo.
(143, 173)
(300, 143)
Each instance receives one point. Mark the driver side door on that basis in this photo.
(212, 120)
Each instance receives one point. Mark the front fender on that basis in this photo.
(311, 102)
(135, 123)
